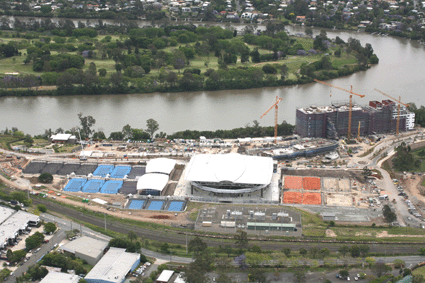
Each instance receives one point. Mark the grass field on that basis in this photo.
(419, 271)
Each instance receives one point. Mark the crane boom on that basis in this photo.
(340, 88)
(275, 105)
(392, 98)
(397, 130)
(351, 102)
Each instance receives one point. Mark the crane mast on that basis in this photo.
(350, 105)
(275, 106)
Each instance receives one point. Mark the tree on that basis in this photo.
(45, 9)
(9, 255)
(380, 268)
(127, 132)
(308, 31)
(344, 250)
(303, 252)
(259, 275)
(45, 178)
(343, 273)
(366, 172)
(370, 260)
(151, 127)
(42, 208)
(255, 56)
(86, 123)
(241, 238)
(49, 227)
(398, 263)
(228, 250)
(197, 246)
(324, 252)
(132, 235)
(286, 251)
(364, 250)
(28, 140)
(389, 215)
(314, 251)
(355, 251)
(18, 255)
(34, 240)
(300, 276)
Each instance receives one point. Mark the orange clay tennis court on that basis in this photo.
(311, 183)
(292, 197)
(312, 198)
(299, 198)
(293, 182)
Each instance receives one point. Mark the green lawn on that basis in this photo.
(419, 271)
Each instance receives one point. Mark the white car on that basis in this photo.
(356, 278)
(348, 279)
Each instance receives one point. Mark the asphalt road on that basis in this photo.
(174, 238)
(35, 257)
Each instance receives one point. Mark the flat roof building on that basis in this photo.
(56, 277)
(113, 267)
(86, 248)
(63, 138)
(332, 121)
(15, 224)
(165, 276)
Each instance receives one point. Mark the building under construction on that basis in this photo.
(332, 121)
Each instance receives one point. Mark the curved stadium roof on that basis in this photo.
(231, 168)
(160, 165)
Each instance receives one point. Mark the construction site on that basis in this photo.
(252, 219)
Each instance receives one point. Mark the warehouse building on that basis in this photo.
(55, 277)
(14, 223)
(229, 174)
(113, 267)
(165, 276)
(86, 248)
(63, 138)
(332, 121)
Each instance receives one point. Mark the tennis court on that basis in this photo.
(176, 206)
(136, 171)
(128, 187)
(92, 186)
(136, 204)
(111, 187)
(86, 169)
(155, 205)
(292, 197)
(103, 170)
(74, 185)
(293, 182)
(120, 171)
(311, 183)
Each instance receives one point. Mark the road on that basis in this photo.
(35, 257)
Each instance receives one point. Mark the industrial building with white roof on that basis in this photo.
(86, 248)
(14, 223)
(56, 277)
(113, 267)
(229, 174)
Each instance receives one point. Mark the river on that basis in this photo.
(399, 73)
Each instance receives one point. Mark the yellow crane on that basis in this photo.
(397, 131)
(351, 103)
(275, 105)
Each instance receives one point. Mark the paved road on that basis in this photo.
(34, 258)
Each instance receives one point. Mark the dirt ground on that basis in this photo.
(414, 187)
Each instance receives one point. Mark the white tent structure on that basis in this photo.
(152, 184)
(160, 165)
(229, 173)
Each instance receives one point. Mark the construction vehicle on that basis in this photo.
(351, 103)
(275, 105)
(397, 130)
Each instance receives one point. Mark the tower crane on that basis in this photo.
(275, 105)
(397, 131)
(351, 102)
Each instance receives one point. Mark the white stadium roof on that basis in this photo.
(233, 167)
(160, 165)
(152, 182)
(113, 267)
